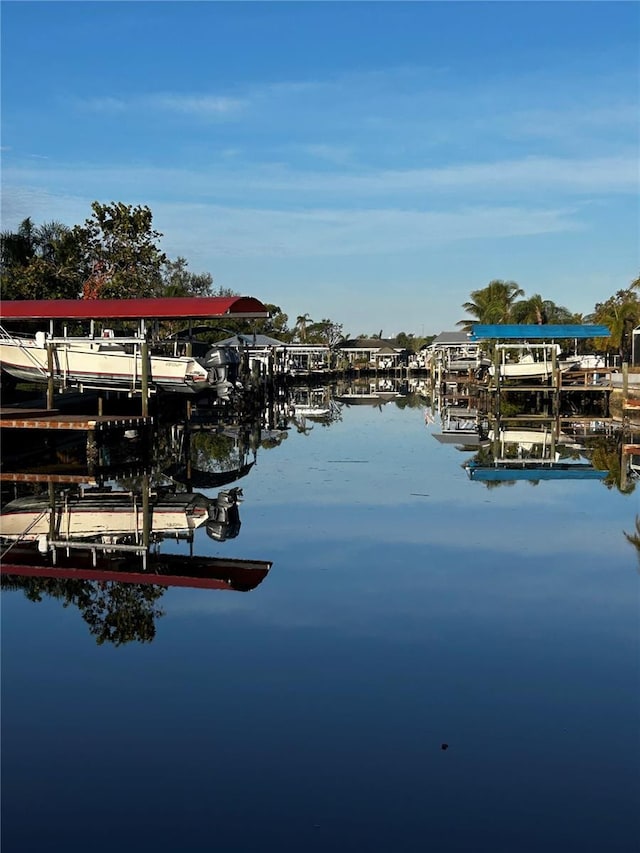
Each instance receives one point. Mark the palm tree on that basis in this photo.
(540, 311)
(40, 262)
(300, 328)
(492, 304)
(532, 310)
(620, 313)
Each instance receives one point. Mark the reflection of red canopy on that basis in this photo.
(169, 308)
(162, 570)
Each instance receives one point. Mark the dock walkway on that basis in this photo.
(53, 419)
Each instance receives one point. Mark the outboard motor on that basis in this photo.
(223, 364)
(224, 516)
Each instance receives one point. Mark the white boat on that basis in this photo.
(111, 363)
(590, 361)
(534, 361)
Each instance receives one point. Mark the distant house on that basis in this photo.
(453, 352)
(267, 353)
(371, 353)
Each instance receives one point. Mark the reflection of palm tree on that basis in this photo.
(605, 454)
(634, 538)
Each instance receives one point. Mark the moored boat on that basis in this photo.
(116, 364)
(528, 361)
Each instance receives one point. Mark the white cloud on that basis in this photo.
(106, 104)
(528, 176)
(201, 105)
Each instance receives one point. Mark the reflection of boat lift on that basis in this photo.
(523, 453)
(186, 473)
(526, 442)
(108, 525)
(160, 570)
(513, 469)
(462, 427)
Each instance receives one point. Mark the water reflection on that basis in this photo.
(407, 607)
(634, 539)
(101, 534)
(523, 444)
(98, 548)
(377, 391)
(97, 527)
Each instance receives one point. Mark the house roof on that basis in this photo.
(450, 338)
(264, 341)
(250, 341)
(368, 343)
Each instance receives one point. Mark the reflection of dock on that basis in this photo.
(168, 570)
(104, 535)
(462, 427)
(535, 449)
(511, 470)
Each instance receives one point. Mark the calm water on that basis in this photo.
(408, 607)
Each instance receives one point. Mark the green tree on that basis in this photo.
(324, 332)
(42, 262)
(406, 341)
(540, 311)
(492, 304)
(620, 313)
(121, 255)
(177, 280)
(276, 324)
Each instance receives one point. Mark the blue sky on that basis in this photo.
(372, 163)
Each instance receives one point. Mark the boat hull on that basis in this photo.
(93, 364)
(535, 370)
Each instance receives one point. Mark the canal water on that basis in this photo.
(432, 662)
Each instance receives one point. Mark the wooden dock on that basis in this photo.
(52, 419)
(56, 479)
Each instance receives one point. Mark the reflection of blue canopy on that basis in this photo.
(529, 332)
(569, 472)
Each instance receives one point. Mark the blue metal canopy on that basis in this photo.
(530, 332)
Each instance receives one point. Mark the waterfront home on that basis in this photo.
(371, 354)
(267, 354)
(453, 352)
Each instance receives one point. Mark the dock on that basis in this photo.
(53, 419)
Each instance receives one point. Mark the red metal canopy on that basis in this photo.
(169, 308)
